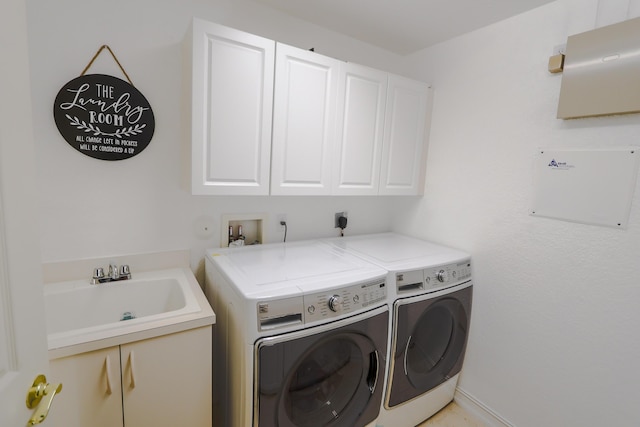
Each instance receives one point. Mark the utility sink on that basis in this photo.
(149, 304)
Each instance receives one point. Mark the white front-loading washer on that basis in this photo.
(301, 335)
(431, 289)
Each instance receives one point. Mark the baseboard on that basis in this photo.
(479, 410)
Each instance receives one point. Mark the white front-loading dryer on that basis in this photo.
(431, 291)
(301, 336)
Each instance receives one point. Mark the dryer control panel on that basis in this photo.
(447, 275)
(429, 279)
(348, 300)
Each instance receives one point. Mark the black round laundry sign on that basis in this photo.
(104, 117)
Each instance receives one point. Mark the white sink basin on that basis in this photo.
(78, 312)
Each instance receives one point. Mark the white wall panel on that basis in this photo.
(553, 330)
(91, 208)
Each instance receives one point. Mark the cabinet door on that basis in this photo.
(166, 381)
(361, 100)
(404, 151)
(91, 392)
(303, 122)
(232, 98)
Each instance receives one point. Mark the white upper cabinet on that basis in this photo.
(404, 151)
(232, 98)
(267, 118)
(361, 107)
(304, 116)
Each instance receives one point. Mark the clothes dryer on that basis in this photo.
(301, 336)
(431, 289)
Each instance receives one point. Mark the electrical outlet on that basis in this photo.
(337, 216)
(280, 219)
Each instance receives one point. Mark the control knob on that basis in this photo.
(335, 303)
(442, 276)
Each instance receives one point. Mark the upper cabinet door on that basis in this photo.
(304, 118)
(361, 108)
(404, 152)
(232, 98)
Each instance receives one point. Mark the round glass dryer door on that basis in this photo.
(430, 341)
(330, 378)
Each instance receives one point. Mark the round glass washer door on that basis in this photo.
(328, 379)
(429, 343)
(436, 343)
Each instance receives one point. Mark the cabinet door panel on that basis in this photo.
(232, 99)
(404, 153)
(304, 121)
(91, 390)
(166, 381)
(361, 105)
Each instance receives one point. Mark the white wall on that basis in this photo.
(91, 208)
(554, 339)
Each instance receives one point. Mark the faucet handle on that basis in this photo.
(98, 273)
(98, 276)
(124, 270)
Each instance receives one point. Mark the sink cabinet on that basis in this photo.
(91, 390)
(268, 118)
(161, 382)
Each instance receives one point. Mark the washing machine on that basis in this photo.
(301, 336)
(431, 289)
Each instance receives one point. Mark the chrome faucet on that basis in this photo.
(114, 274)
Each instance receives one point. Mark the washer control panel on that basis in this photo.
(447, 275)
(338, 302)
(281, 313)
(295, 311)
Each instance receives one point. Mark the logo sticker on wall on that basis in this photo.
(559, 165)
(103, 116)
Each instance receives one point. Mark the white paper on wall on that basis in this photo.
(591, 186)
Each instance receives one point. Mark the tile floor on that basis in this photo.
(452, 415)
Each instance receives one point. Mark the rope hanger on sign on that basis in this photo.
(104, 46)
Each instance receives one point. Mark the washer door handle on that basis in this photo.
(406, 352)
(372, 377)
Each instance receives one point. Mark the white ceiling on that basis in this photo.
(403, 26)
